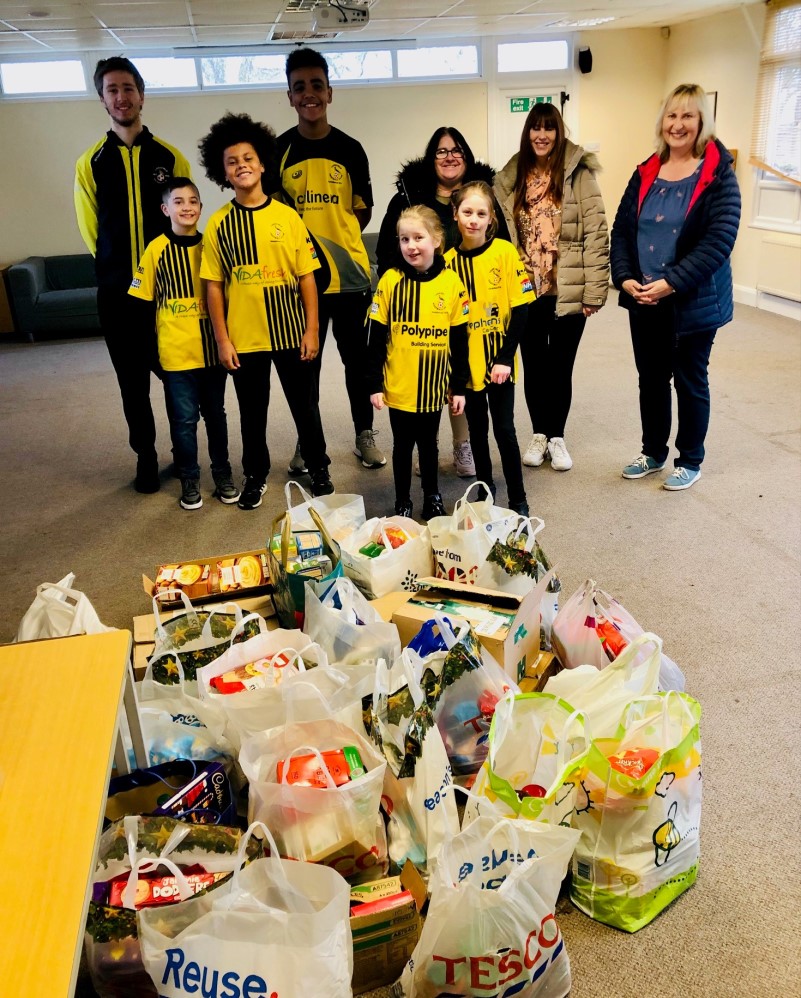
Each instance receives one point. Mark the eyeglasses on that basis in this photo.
(455, 153)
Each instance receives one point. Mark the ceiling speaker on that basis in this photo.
(585, 60)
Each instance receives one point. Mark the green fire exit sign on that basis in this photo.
(525, 104)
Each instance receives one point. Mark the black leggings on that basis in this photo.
(548, 350)
(497, 401)
(408, 429)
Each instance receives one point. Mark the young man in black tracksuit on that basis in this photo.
(325, 176)
(119, 183)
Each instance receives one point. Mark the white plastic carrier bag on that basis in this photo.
(462, 541)
(278, 929)
(337, 825)
(404, 558)
(491, 927)
(59, 611)
(347, 627)
(340, 512)
(418, 786)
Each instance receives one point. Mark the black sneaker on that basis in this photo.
(225, 490)
(403, 508)
(321, 484)
(521, 507)
(433, 506)
(252, 491)
(147, 476)
(190, 494)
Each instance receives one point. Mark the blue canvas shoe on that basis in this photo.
(642, 466)
(682, 478)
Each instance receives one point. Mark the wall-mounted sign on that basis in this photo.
(525, 104)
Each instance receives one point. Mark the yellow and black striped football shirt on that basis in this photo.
(419, 315)
(169, 275)
(259, 254)
(496, 282)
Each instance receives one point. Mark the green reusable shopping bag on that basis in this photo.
(640, 843)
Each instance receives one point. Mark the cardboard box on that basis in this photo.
(144, 626)
(224, 576)
(507, 626)
(547, 665)
(384, 940)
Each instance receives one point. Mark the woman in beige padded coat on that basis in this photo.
(553, 208)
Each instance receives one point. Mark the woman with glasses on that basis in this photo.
(446, 165)
(552, 203)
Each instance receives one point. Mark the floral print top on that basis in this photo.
(661, 218)
(538, 227)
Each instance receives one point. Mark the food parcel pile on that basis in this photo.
(385, 777)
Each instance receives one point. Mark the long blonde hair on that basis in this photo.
(429, 219)
(686, 93)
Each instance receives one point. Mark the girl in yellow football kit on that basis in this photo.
(499, 291)
(417, 353)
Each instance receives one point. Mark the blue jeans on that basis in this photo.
(661, 355)
(190, 395)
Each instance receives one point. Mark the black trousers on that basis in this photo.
(661, 355)
(408, 429)
(252, 384)
(347, 313)
(548, 350)
(497, 401)
(130, 334)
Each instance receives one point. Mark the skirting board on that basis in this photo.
(770, 303)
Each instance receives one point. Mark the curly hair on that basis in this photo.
(229, 131)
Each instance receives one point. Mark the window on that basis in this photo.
(167, 73)
(451, 60)
(371, 65)
(56, 77)
(235, 70)
(531, 57)
(776, 141)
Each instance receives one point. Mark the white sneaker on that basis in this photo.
(560, 459)
(535, 452)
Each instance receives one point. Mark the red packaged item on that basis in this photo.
(396, 536)
(154, 888)
(634, 762)
(343, 764)
(610, 637)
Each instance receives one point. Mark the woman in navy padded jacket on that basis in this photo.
(670, 256)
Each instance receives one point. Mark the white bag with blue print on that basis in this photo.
(491, 926)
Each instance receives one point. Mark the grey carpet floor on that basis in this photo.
(714, 571)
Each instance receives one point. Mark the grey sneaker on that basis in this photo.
(190, 494)
(535, 452)
(367, 450)
(225, 490)
(297, 466)
(642, 466)
(463, 460)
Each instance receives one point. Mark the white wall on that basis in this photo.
(613, 107)
(43, 139)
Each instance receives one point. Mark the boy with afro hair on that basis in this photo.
(259, 263)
